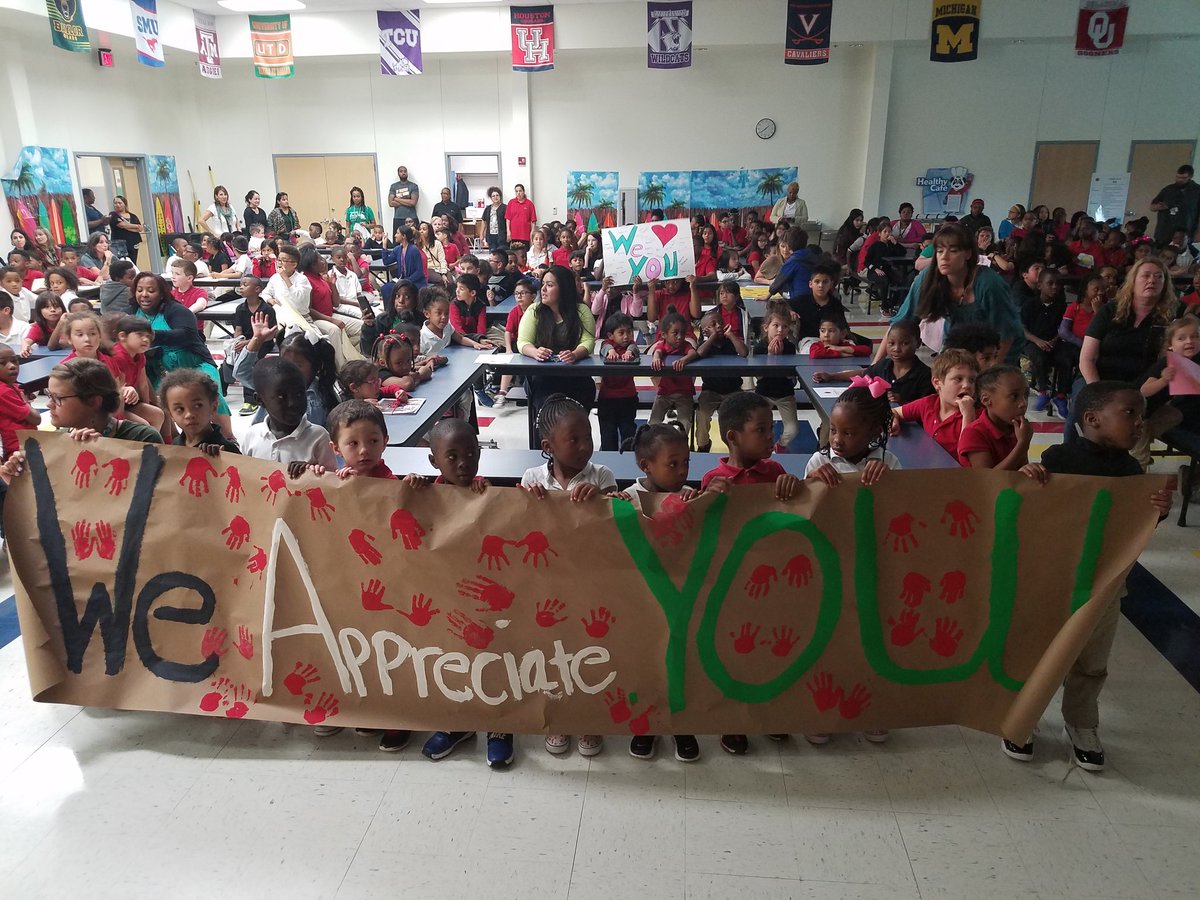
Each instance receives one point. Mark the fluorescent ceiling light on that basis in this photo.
(459, 2)
(261, 6)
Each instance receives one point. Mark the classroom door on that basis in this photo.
(318, 187)
(1062, 174)
(345, 172)
(126, 174)
(1152, 165)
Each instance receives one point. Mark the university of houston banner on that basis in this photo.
(532, 38)
(1100, 28)
(669, 35)
(954, 33)
(808, 24)
(67, 29)
(271, 45)
(400, 42)
(152, 577)
(208, 51)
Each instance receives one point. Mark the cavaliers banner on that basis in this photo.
(532, 38)
(152, 577)
(208, 51)
(67, 29)
(669, 35)
(954, 34)
(145, 33)
(1100, 28)
(400, 42)
(808, 25)
(271, 44)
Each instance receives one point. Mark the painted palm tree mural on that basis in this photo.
(770, 186)
(164, 188)
(39, 192)
(591, 199)
(668, 191)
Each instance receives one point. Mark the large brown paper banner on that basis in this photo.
(155, 578)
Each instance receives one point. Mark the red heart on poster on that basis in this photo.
(664, 233)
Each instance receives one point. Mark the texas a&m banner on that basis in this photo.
(532, 38)
(807, 42)
(271, 43)
(66, 26)
(208, 52)
(145, 33)
(400, 42)
(669, 35)
(954, 34)
(1100, 29)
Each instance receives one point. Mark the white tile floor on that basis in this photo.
(100, 803)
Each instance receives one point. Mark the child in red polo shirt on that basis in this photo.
(182, 274)
(998, 439)
(134, 335)
(673, 294)
(749, 430)
(944, 413)
(674, 392)
(15, 411)
(617, 400)
(835, 341)
(524, 293)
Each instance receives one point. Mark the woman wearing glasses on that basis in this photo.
(83, 397)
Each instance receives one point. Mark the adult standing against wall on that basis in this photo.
(220, 218)
(254, 214)
(1178, 206)
(790, 206)
(521, 216)
(495, 220)
(402, 197)
(96, 220)
(358, 213)
(446, 207)
(282, 220)
(127, 227)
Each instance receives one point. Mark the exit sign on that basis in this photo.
(105, 56)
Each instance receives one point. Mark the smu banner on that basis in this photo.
(1100, 29)
(669, 35)
(954, 34)
(532, 38)
(271, 44)
(808, 25)
(931, 598)
(400, 42)
(208, 52)
(145, 33)
(66, 26)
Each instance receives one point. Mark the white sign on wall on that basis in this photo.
(650, 251)
(1107, 195)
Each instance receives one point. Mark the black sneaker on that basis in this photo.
(642, 746)
(1019, 752)
(1087, 749)
(442, 743)
(737, 744)
(394, 741)
(687, 749)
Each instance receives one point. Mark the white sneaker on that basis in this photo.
(498, 401)
(1086, 748)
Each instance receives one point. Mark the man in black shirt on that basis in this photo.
(976, 219)
(445, 207)
(1177, 205)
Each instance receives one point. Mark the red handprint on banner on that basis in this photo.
(744, 638)
(601, 619)
(422, 610)
(233, 488)
(85, 467)
(618, 705)
(961, 517)
(783, 639)
(213, 642)
(363, 544)
(372, 596)
(472, 633)
(105, 545)
(639, 725)
(195, 475)
(318, 506)
(81, 537)
(245, 643)
(536, 547)
(547, 612)
(798, 570)
(946, 635)
(273, 484)
(118, 475)
(326, 707)
(211, 701)
(853, 705)
(492, 549)
(900, 532)
(237, 532)
(242, 698)
(406, 527)
(257, 564)
(825, 696)
(494, 596)
(670, 525)
(914, 588)
(904, 632)
(301, 676)
(760, 581)
(954, 585)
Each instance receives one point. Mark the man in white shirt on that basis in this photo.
(790, 207)
(289, 289)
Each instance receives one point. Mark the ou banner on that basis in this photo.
(145, 33)
(532, 38)
(1100, 29)
(208, 52)
(807, 42)
(400, 42)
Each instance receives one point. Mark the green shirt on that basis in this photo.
(359, 215)
(124, 430)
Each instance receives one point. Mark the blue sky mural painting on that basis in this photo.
(592, 199)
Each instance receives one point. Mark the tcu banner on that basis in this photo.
(954, 34)
(1100, 29)
(208, 53)
(400, 42)
(145, 33)
(807, 42)
(532, 38)
(669, 35)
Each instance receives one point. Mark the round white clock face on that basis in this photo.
(765, 128)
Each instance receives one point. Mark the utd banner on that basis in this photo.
(532, 38)
(808, 25)
(1100, 28)
(66, 26)
(208, 52)
(145, 33)
(669, 35)
(271, 44)
(153, 577)
(400, 42)
(954, 34)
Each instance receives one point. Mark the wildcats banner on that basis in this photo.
(145, 33)
(1100, 29)
(400, 42)
(933, 597)
(954, 34)
(669, 35)
(208, 52)
(66, 26)
(271, 44)
(808, 25)
(532, 38)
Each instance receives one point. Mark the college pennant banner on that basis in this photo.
(400, 42)
(669, 35)
(931, 598)
(954, 33)
(808, 25)
(532, 38)
(271, 42)
(145, 33)
(1100, 28)
(208, 52)
(66, 26)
